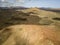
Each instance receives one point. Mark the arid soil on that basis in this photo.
(32, 35)
(29, 27)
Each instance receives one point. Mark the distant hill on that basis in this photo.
(40, 12)
(22, 8)
(15, 8)
(28, 16)
(51, 9)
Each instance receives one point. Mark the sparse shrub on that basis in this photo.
(57, 25)
(58, 19)
(19, 18)
(44, 21)
(4, 35)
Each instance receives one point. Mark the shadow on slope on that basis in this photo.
(13, 17)
(4, 35)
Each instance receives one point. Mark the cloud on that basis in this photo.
(23, 0)
(2, 0)
(20, 1)
(12, 2)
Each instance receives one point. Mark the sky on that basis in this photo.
(31, 3)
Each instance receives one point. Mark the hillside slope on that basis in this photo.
(29, 27)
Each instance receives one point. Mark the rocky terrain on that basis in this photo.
(32, 26)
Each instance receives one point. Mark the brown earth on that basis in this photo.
(29, 27)
(32, 35)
